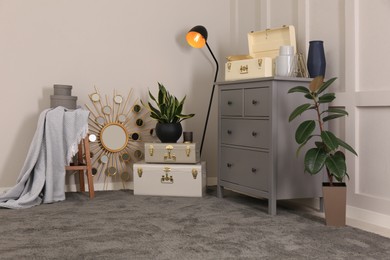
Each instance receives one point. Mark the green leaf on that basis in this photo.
(302, 145)
(153, 109)
(309, 96)
(337, 166)
(325, 85)
(346, 146)
(304, 130)
(327, 98)
(336, 111)
(330, 140)
(314, 160)
(330, 117)
(299, 110)
(300, 89)
(162, 94)
(152, 97)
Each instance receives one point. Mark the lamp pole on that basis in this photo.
(211, 98)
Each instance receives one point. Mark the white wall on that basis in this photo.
(118, 45)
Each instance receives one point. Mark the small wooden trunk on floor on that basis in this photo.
(187, 180)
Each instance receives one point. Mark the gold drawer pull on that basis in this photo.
(229, 165)
(169, 156)
(165, 179)
(244, 69)
(254, 102)
(254, 134)
(194, 173)
(254, 170)
(230, 103)
(229, 132)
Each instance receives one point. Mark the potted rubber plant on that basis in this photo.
(327, 149)
(167, 110)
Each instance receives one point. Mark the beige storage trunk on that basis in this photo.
(187, 180)
(263, 48)
(171, 153)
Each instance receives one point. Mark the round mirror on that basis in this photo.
(111, 171)
(139, 122)
(135, 136)
(122, 118)
(106, 110)
(125, 176)
(114, 137)
(104, 159)
(92, 138)
(137, 108)
(125, 157)
(138, 154)
(100, 120)
(95, 97)
(118, 99)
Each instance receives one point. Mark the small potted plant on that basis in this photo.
(326, 151)
(167, 110)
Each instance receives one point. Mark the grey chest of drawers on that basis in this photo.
(256, 143)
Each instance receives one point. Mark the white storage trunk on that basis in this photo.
(187, 180)
(171, 153)
(263, 48)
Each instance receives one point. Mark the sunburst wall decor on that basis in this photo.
(118, 128)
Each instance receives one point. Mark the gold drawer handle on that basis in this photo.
(169, 156)
(244, 69)
(165, 179)
(229, 132)
(194, 173)
(254, 170)
(151, 150)
(229, 165)
(254, 102)
(230, 103)
(254, 134)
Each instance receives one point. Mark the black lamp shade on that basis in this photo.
(197, 36)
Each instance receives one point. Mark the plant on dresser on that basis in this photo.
(168, 113)
(326, 151)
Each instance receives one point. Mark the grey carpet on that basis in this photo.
(119, 225)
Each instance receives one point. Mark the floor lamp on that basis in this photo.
(197, 38)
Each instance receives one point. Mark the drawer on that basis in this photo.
(231, 102)
(246, 132)
(246, 168)
(257, 102)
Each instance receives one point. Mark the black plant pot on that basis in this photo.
(168, 132)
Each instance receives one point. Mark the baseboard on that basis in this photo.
(212, 181)
(4, 189)
(102, 186)
(368, 220)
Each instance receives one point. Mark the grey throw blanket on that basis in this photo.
(42, 178)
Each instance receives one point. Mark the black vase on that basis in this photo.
(168, 132)
(316, 63)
